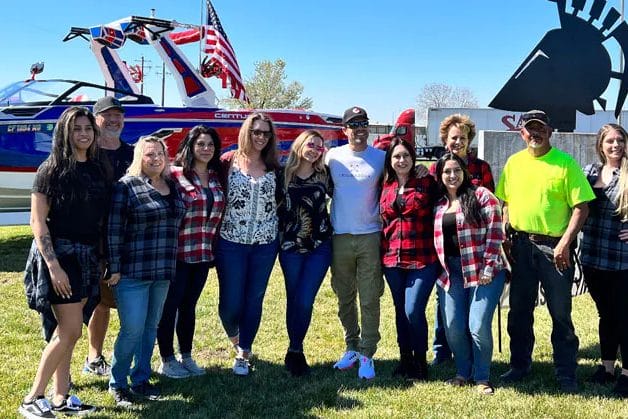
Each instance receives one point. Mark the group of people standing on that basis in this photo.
(150, 233)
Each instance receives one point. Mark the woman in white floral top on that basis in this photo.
(247, 246)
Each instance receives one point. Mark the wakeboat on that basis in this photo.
(29, 109)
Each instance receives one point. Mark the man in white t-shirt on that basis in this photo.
(356, 169)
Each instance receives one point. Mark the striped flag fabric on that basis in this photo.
(218, 47)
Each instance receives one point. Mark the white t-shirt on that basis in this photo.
(356, 176)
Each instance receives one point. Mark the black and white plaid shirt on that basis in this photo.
(601, 246)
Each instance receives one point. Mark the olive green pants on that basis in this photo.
(356, 271)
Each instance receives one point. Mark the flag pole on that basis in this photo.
(200, 43)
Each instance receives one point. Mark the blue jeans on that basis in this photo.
(180, 308)
(411, 289)
(303, 274)
(440, 347)
(534, 264)
(243, 273)
(139, 308)
(468, 316)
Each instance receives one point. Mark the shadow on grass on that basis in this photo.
(13, 253)
(542, 381)
(590, 352)
(269, 391)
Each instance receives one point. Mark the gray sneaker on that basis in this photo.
(173, 369)
(98, 366)
(36, 408)
(191, 366)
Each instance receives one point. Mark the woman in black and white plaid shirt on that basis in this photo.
(604, 252)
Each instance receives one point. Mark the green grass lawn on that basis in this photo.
(271, 392)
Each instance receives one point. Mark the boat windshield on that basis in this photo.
(33, 92)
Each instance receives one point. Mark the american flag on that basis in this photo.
(218, 47)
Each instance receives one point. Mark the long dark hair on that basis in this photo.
(185, 153)
(465, 193)
(389, 172)
(61, 180)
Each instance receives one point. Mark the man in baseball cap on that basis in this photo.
(109, 114)
(356, 270)
(545, 195)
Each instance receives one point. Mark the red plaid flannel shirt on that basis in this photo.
(198, 230)
(480, 172)
(480, 247)
(408, 230)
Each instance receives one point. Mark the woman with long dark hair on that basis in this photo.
(197, 173)
(604, 252)
(248, 243)
(408, 255)
(306, 233)
(468, 236)
(457, 132)
(68, 205)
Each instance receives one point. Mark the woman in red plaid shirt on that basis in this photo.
(468, 236)
(408, 255)
(197, 172)
(457, 133)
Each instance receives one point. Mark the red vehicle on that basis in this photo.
(404, 128)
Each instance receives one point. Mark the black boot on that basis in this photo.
(290, 361)
(296, 364)
(405, 363)
(301, 366)
(419, 367)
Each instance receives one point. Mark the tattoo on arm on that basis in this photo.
(46, 248)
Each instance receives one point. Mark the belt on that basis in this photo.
(538, 238)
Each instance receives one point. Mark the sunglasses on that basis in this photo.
(315, 147)
(358, 124)
(260, 133)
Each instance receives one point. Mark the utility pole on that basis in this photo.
(144, 65)
(621, 57)
(163, 81)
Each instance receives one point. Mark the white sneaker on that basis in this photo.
(367, 369)
(347, 361)
(241, 366)
(173, 369)
(192, 367)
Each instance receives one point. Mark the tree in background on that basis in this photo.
(440, 95)
(268, 89)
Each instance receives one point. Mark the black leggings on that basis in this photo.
(609, 290)
(180, 308)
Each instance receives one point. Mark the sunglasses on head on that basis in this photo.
(358, 124)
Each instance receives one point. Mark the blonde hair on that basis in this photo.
(622, 196)
(135, 168)
(269, 154)
(296, 151)
(463, 122)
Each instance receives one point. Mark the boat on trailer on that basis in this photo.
(29, 109)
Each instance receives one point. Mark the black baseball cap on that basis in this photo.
(354, 113)
(107, 102)
(536, 116)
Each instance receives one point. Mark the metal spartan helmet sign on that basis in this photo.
(569, 68)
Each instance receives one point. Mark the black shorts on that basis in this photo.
(72, 269)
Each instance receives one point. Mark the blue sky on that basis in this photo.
(345, 52)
